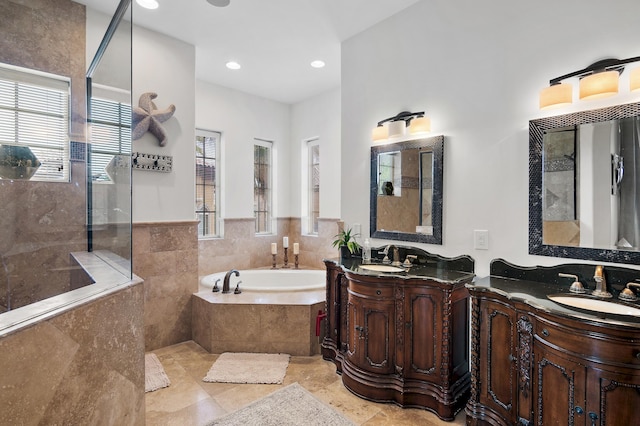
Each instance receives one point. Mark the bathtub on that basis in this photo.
(277, 312)
(270, 280)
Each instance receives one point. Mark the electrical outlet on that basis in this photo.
(481, 239)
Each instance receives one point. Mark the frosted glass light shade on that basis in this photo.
(420, 125)
(397, 128)
(634, 80)
(379, 133)
(556, 95)
(599, 85)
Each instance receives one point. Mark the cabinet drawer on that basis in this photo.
(593, 346)
(369, 290)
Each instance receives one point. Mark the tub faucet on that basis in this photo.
(601, 284)
(227, 278)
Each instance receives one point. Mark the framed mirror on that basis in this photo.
(584, 185)
(406, 190)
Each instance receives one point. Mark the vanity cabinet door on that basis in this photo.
(370, 334)
(558, 388)
(423, 333)
(613, 397)
(333, 303)
(498, 387)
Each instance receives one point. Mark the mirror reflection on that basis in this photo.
(590, 185)
(406, 191)
(584, 189)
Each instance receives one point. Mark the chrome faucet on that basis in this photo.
(628, 294)
(395, 253)
(601, 284)
(227, 278)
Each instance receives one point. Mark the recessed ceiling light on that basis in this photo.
(148, 4)
(317, 64)
(219, 3)
(233, 65)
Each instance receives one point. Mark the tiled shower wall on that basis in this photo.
(169, 258)
(42, 222)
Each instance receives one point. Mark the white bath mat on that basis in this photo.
(241, 367)
(154, 376)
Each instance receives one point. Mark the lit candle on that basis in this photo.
(274, 248)
(285, 242)
(296, 248)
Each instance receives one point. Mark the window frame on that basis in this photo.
(216, 187)
(42, 85)
(311, 223)
(268, 189)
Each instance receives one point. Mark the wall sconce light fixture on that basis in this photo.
(396, 126)
(598, 80)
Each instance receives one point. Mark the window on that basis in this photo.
(110, 137)
(262, 185)
(34, 113)
(313, 185)
(207, 182)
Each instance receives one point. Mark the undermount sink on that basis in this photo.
(596, 305)
(381, 268)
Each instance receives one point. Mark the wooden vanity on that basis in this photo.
(402, 337)
(534, 362)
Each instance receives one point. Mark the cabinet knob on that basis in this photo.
(378, 292)
(593, 416)
(579, 410)
(638, 355)
(512, 358)
(545, 332)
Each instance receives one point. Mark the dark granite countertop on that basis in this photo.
(534, 293)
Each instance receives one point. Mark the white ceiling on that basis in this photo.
(274, 40)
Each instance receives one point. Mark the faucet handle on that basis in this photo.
(576, 286)
(215, 286)
(237, 290)
(408, 260)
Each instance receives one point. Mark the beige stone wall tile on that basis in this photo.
(84, 366)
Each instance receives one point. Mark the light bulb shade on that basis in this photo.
(397, 128)
(420, 125)
(379, 133)
(556, 95)
(634, 80)
(599, 85)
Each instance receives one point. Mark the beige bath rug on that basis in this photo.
(154, 376)
(292, 405)
(240, 367)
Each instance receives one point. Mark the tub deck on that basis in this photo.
(267, 322)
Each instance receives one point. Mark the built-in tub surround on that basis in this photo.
(81, 361)
(537, 361)
(259, 321)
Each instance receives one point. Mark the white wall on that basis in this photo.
(476, 68)
(317, 117)
(165, 66)
(240, 118)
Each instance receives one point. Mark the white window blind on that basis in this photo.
(34, 112)
(110, 135)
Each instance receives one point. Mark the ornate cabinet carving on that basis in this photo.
(532, 367)
(406, 338)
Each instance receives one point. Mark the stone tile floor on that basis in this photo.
(190, 401)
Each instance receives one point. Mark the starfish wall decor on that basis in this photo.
(147, 118)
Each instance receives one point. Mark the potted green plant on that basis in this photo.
(17, 162)
(346, 242)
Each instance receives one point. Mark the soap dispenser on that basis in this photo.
(366, 251)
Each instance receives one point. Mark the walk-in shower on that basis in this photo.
(65, 231)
